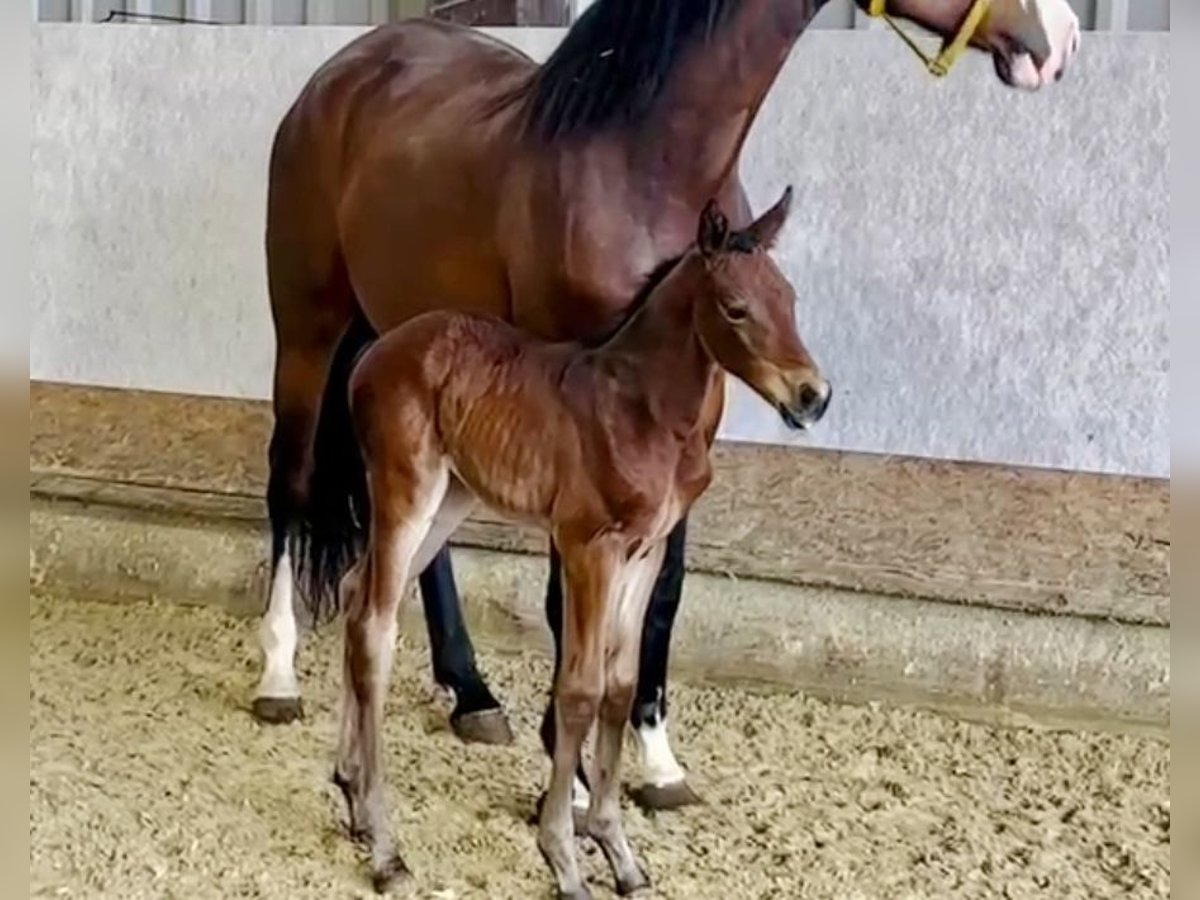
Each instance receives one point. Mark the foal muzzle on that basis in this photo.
(809, 402)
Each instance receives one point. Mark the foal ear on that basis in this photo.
(713, 231)
(766, 227)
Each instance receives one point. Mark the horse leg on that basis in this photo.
(277, 698)
(477, 716)
(577, 691)
(311, 305)
(580, 797)
(406, 509)
(664, 783)
(300, 374)
(624, 631)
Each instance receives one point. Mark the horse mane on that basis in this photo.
(613, 63)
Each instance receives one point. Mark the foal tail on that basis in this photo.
(337, 513)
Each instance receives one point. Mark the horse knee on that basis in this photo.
(619, 689)
(350, 591)
(360, 623)
(577, 706)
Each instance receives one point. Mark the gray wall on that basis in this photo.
(982, 274)
(1100, 15)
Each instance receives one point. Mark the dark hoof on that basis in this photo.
(487, 726)
(628, 886)
(386, 876)
(277, 710)
(578, 814)
(661, 797)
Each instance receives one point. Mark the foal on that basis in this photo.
(605, 447)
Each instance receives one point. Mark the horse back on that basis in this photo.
(391, 160)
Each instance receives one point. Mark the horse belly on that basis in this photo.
(507, 458)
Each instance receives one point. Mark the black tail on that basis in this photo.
(332, 528)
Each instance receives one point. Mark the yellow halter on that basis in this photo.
(941, 64)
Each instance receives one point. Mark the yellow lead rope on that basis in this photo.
(941, 64)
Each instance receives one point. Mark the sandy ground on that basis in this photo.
(148, 778)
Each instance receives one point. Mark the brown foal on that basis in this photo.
(606, 447)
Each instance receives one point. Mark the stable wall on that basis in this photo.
(982, 274)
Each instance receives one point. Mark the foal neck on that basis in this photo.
(657, 359)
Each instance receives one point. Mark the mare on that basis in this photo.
(604, 446)
(428, 166)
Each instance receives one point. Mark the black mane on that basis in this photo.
(613, 63)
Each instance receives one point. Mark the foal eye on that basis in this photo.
(735, 313)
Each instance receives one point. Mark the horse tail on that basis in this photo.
(337, 513)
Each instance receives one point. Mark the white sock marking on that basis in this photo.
(277, 635)
(659, 766)
(580, 798)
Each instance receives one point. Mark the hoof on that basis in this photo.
(661, 797)
(487, 726)
(384, 877)
(628, 886)
(578, 814)
(277, 710)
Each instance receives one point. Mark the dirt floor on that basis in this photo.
(148, 778)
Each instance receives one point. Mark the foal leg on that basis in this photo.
(664, 784)
(580, 797)
(577, 692)
(624, 630)
(400, 522)
(347, 769)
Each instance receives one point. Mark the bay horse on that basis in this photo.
(541, 194)
(604, 446)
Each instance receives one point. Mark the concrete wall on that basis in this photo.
(982, 274)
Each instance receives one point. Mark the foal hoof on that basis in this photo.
(277, 710)
(579, 893)
(632, 884)
(486, 726)
(384, 877)
(578, 814)
(663, 797)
